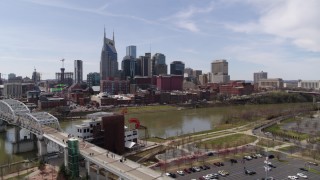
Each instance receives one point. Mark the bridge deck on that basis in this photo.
(105, 159)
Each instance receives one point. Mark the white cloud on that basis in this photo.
(297, 21)
(186, 18)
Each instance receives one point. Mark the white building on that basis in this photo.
(85, 130)
(309, 84)
(219, 70)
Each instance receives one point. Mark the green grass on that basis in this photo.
(314, 171)
(227, 141)
(141, 109)
(268, 143)
(156, 139)
(276, 130)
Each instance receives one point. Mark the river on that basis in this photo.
(160, 124)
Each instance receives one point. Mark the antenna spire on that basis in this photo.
(104, 31)
(113, 37)
(62, 62)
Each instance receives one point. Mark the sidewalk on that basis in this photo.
(21, 173)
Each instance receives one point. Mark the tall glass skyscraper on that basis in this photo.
(131, 51)
(109, 59)
(78, 71)
(177, 68)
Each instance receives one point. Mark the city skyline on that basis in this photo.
(278, 37)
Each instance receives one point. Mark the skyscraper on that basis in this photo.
(219, 69)
(159, 66)
(109, 59)
(128, 66)
(177, 68)
(131, 51)
(78, 71)
(143, 65)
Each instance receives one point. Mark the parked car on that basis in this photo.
(192, 169)
(271, 156)
(267, 168)
(303, 169)
(302, 175)
(292, 177)
(254, 156)
(223, 173)
(181, 173)
(173, 175)
(313, 163)
(218, 164)
(268, 178)
(187, 171)
(206, 166)
(271, 165)
(233, 161)
(247, 158)
(196, 169)
(248, 172)
(259, 155)
(210, 154)
(267, 162)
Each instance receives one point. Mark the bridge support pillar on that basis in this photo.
(88, 166)
(42, 147)
(98, 174)
(106, 175)
(65, 153)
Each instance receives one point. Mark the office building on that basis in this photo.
(159, 66)
(93, 79)
(259, 75)
(128, 67)
(78, 71)
(188, 72)
(109, 59)
(177, 68)
(219, 70)
(35, 76)
(203, 79)
(309, 84)
(143, 65)
(275, 83)
(131, 51)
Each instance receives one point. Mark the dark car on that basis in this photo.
(249, 172)
(254, 156)
(192, 170)
(210, 154)
(187, 171)
(206, 166)
(303, 169)
(271, 156)
(233, 161)
(313, 163)
(218, 164)
(271, 165)
(173, 175)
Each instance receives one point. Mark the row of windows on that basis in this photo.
(85, 130)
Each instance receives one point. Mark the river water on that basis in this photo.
(160, 124)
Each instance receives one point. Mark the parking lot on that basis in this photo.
(288, 167)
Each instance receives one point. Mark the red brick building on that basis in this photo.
(170, 83)
(236, 88)
(115, 86)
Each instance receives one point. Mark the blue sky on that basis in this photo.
(280, 37)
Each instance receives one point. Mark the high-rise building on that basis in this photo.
(177, 68)
(188, 72)
(259, 75)
(196, 73)
(93, 79)
(35, 76)
(219, 70)
(143, 65)
(11, 76)
(128, 66)
(159, 66)
(203, 79)
(131, 51)
(109, 59)
(78, 71)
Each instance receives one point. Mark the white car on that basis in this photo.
(197, 169)
(259, 155)
(267, 162)
(267, 168)
(180, 173)
(302, 175)
(293, 177)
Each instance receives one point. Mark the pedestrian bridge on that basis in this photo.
(47, 127)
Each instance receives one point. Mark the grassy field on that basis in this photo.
(268, 143)
(142, 109)
(227, 141)
(276, 130)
